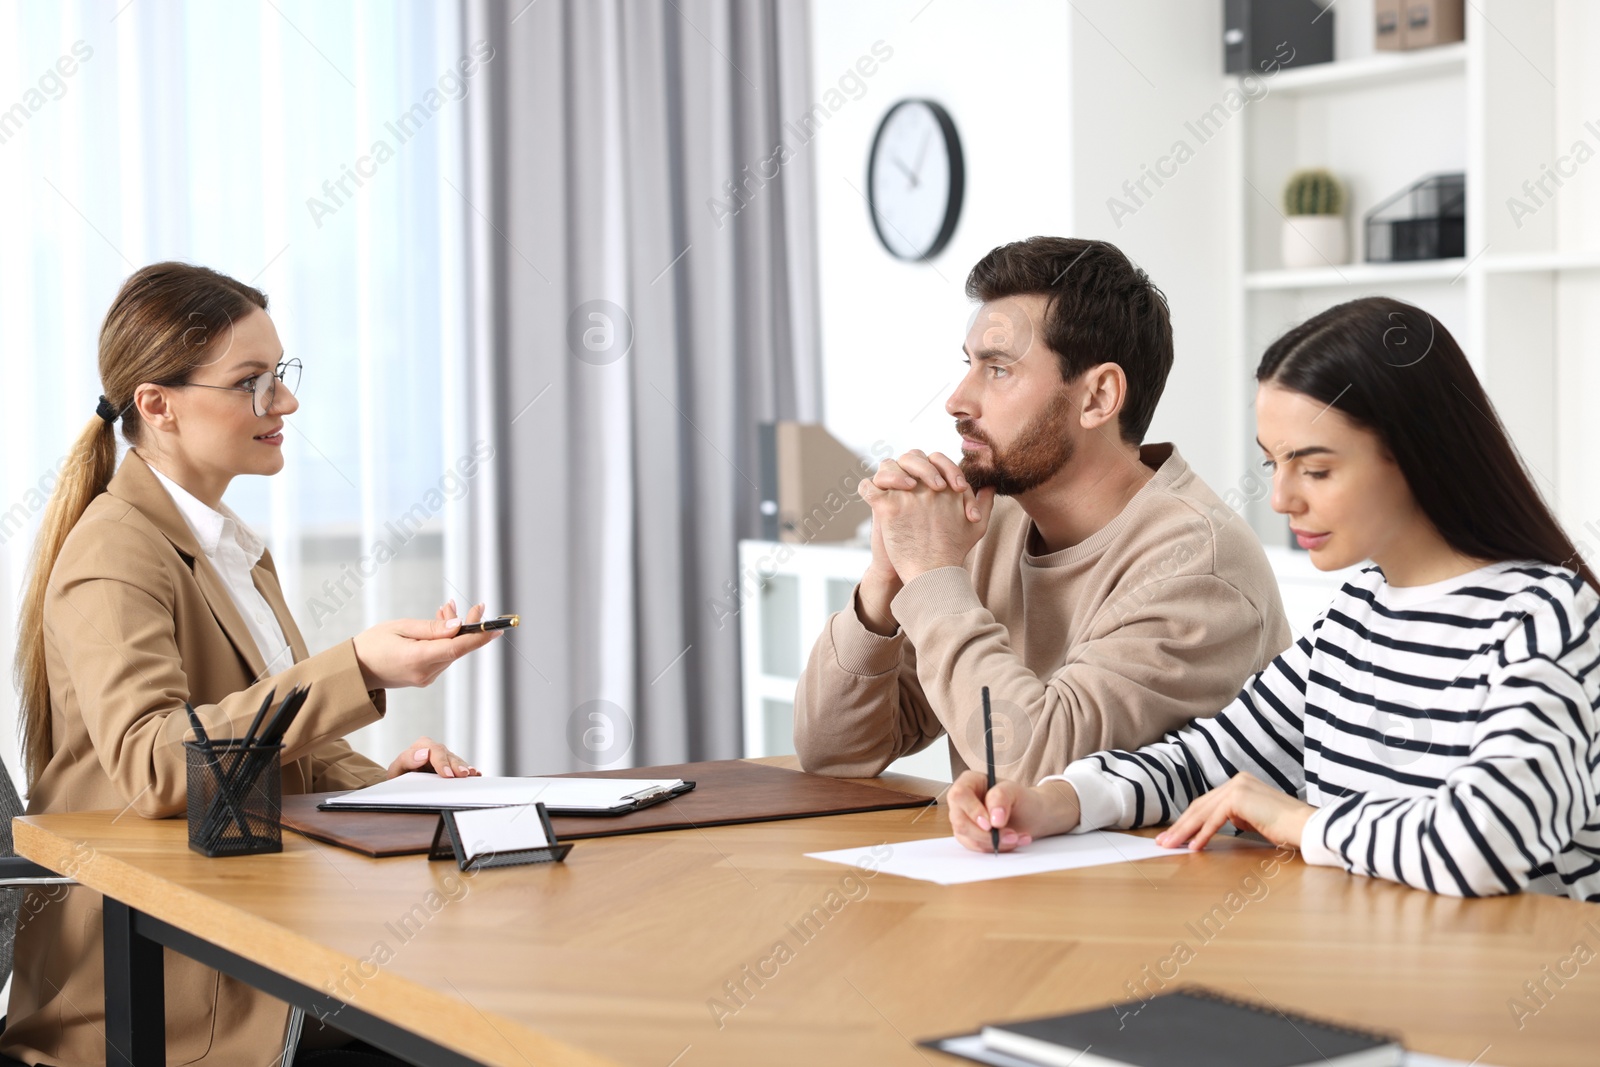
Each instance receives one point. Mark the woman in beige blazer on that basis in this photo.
(143, 594)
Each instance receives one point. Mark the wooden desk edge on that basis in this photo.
(246, 933)
(899, 783)
(395, 1000)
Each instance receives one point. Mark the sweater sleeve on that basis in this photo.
(1171, 651)
(1501, 817)
(1261, 733)
(859, 706)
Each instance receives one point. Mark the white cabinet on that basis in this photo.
(787, 593)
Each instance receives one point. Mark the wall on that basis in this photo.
(1057, 105)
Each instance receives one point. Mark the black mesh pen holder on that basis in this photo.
(235, 798)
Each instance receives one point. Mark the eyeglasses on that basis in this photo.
(263, 388)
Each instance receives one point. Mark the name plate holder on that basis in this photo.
(497, 837)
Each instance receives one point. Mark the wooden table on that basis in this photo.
(685, 948)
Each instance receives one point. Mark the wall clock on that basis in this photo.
(915, 180)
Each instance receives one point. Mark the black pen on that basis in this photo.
(261, 713)
(199, 729)
(504, 622)
(278, 725)
(988, 752)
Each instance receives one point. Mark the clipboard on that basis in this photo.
(637, 801)
(729, 792)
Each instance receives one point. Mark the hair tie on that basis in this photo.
(105, 410)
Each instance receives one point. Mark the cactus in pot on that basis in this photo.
(1313, 227)
(1313, 191)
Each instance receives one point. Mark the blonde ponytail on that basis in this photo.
(165, 320)
(84, 478)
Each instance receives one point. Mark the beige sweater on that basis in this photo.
(1157, 618)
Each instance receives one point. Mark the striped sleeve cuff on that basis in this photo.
(1313, 840)
(1099, 800)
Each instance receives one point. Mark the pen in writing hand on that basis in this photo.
(988, 752)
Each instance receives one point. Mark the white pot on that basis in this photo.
(1313, 241)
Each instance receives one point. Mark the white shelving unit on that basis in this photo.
(789, 592)
(1380, 68)
(1360, 275)
(1503, 107)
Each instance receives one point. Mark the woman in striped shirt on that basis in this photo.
(1437, 726)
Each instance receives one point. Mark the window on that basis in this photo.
(312, 150)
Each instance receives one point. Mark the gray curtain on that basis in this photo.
(641, 319)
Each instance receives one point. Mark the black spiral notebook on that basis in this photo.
(1189, 1027)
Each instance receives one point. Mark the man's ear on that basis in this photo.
(1105, 390)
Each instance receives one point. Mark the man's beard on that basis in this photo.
(1040, 450)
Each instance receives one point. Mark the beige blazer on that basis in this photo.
(136, 622)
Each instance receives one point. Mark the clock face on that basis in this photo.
(915, 179)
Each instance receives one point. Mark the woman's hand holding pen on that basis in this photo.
(1021, 812)
(405, 653)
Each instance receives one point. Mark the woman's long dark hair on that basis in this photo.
(1394, 369)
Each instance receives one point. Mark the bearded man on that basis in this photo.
(1093, 583)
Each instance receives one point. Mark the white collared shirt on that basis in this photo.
(234, 549)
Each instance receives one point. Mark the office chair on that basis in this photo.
(17, 876)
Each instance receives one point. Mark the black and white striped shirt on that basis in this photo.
(1445, 733)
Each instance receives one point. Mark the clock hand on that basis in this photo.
(923, 151)
(910, 175)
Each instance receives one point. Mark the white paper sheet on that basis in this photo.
(946, 861)
(430, 791)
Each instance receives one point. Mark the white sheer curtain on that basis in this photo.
(314, 151)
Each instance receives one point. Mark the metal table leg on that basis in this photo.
(136, 1015)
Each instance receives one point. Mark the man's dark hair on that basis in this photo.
(1099, 308)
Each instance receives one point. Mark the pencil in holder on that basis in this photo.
(235, 798)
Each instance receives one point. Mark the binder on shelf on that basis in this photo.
(1256, 32)
(497, 837)
(1427, 23)
(808, 484)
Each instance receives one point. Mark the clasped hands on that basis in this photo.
(924, 515)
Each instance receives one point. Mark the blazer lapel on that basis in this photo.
(135, 483)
